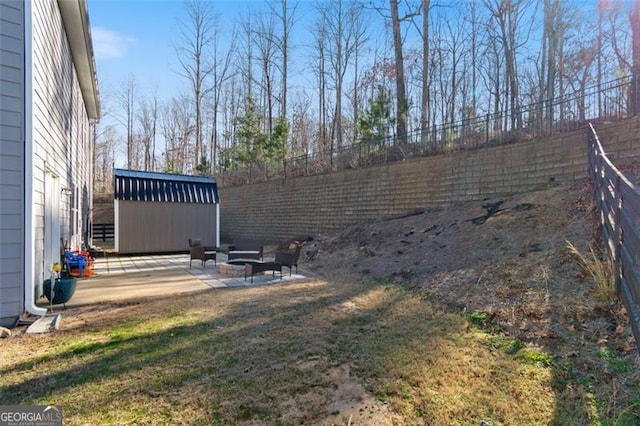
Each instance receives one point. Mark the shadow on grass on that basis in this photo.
(239, 355)
(245, 356)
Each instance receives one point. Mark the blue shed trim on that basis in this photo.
(134, 185)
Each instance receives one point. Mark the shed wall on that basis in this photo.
(147, 227)
(11, 161)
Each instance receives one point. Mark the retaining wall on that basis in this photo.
(278, 210)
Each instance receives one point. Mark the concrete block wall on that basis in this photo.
(278, 210)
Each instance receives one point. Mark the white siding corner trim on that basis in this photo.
(29, 216)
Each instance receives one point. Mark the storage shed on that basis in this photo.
(158, 212)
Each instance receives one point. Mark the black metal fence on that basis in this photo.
(618, 203)
(609, 101)
(103, 231)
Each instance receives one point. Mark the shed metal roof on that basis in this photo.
(135, 185)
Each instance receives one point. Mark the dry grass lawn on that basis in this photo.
(355, 345)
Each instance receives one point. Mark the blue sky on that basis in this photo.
(136, 38)
(139, 38)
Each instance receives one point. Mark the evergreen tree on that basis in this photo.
(204, 167)
(249, 136)
(376, 121)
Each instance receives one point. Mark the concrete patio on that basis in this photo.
(119, 278)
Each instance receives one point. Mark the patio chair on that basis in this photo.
(199, 252)
(289, 258)
(246, 249)
(75, 260)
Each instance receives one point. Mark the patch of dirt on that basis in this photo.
(506, 257)
(344, 400)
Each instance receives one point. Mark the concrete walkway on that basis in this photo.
(119, 278)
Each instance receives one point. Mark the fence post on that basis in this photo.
(634, 96)
(591, 166)
(617, 267)
(331, 156)
(486, 130)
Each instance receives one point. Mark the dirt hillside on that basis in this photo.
(506, 257)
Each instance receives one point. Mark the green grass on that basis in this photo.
(282, 354)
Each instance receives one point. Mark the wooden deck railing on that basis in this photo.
(618, 203)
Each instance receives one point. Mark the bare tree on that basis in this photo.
(287, 17)
(621, 38)
(509, 16)
(126, 98)
(341, 26)
(154, 131)
(492, 75)
(147, 117)
(475, 37)
(196, 37)
(552, 47)
(634, 20)
(603, 8)
(440, 72)
(264, 38)
(578, 68)
(245, 66)
(455, 76)
(106, 141)
(232, 99)
(221, 72)
(424, 110)
(332, 16)
(301, 125)
(178, 129)
(402, 103)
(319, 70)
(360, 38)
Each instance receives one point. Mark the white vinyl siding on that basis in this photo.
(11, 161)
(61, 132)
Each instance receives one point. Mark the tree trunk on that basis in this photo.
(424, 113)
(401, 96)
(634, 19)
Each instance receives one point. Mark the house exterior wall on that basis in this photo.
(62, 143)
(45, 148)
(12, 86)
(148, 227)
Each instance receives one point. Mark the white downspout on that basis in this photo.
(29, 218)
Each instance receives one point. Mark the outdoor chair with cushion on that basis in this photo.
(246, 249)
(290, 257)
(74, 260)
(199, 252)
